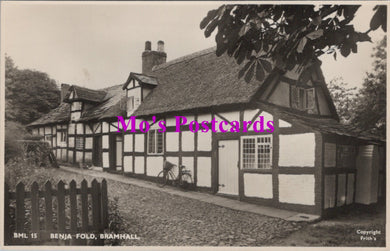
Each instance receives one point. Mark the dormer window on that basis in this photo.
(76, 108)
(303, 98)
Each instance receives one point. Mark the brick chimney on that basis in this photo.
(151, 58)
(64, 91)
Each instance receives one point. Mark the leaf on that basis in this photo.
(335, 56)
(249, 74)
(244, 29)
(301, 45)
(317, 20)
(345, 50)
(210, 16)
(243, 69)
(259, 72)
(315, 34)
(210, 28)
(354, 48)
(266, 65)
(375, 20)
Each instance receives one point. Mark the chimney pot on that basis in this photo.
(160, 46)
(148, 46)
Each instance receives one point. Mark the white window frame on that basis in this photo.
(155, 142)
(256, 151)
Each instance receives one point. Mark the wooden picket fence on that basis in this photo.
(98, 209)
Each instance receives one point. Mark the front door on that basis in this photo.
(228, 167)
(97, 151)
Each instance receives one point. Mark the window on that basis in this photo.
(346, 156)
(79, 143)
(130, 104)
(256, 152)
(76, 106)
(302, 98)
(62, 134)
(155, 142)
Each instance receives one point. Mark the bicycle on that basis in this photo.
(184, 179)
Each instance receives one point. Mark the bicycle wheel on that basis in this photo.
(186, 181)
(162, 178)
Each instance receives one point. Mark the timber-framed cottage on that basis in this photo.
(310, 163)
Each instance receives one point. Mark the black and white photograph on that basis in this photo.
(203, 124)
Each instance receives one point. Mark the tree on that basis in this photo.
(344, 98)
(28, 93)
(370, 108)
(289, 35)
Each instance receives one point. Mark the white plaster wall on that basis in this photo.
(284, 124)
(188, 162)
(175, 161)
(329, 155)
(105, 127)
(88, 129)
(54, 140)
(71, 128)
(128, 140)
(105, 144)
(204, 117)
(330, 190)
(139, 142)
(267, 117)
(35, 131)
(229, 116)
(171, 121)
(54, 130)
(70, 155)
(128, 164)
(79, 156)
(250, 114)
(106, 162)
(172, 141)
(188, 141)
(204, 141)
(97, 128)
(258, 185)
(71, 142)
(88, 157)
(88, 143)
(297, 150)
(113, 126)
(204, 172)
(139, 165)
(80, 128)
(154, 165)
(297, 189)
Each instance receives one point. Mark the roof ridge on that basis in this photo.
(185, 58)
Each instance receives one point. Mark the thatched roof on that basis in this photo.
(85, 94)
(199, 80)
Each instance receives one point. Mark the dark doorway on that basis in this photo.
(97, 151)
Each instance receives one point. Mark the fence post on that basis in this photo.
(73, 207)
(20, 211)
(35, 207)
(7, 220)
(84, 205)
(61, 206)
(48, 207)
(95, 205)
(104, 204)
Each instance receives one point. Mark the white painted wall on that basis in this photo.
(171, 121)
(139, 142)
(106, 162)
(80, 128)
(188, 162)
(229, 116)
(267, 117)
(105, 143)
(97, 128)
(204, 141)
(71, 128)
(204, 117)
(105, 127)
(258, 185)
(139, 165)
(204, 172)
(172, 141)
(250, 114)
(154, 165)
(128, 141)
(297, 150)
(88, 143)
(88, 129)
(113, 126)
(79, 156)
(188, 141)
(128, 164)
(71, 142)
(297, 189)
(88, 157)
(284, 124)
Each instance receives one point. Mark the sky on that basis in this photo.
(97, 44)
